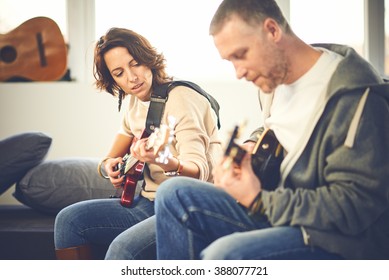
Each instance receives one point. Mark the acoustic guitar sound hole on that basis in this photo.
(8, 54)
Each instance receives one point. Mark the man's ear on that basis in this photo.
(273, 29)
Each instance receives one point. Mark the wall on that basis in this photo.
(83, 121)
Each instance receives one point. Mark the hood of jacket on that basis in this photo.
(362, 79)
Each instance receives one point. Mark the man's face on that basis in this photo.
(253, 51)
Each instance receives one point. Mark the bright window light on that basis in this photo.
(330, 21)
(15, 12)
(177, 28)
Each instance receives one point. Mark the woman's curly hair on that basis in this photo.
(140, 49)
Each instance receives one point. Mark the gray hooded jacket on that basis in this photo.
(335, 186)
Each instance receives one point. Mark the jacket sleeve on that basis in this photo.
(335, 187)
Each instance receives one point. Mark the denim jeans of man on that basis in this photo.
(196, 220)
(101, 221)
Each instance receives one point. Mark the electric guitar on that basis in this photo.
(34, 50)
(132, 169)
(266, 157)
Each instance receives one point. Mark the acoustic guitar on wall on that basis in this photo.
(35, 50)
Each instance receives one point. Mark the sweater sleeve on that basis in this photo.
(196, 127)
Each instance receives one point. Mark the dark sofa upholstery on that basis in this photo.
(43, 187)
(26, 234)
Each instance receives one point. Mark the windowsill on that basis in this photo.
(44, 86)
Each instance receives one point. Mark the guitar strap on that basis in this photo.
(158, 101)
(159, 98)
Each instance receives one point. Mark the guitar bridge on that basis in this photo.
(41, 50)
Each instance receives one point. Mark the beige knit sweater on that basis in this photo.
(196, 134)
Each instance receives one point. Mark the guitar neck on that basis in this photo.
(130, 162)
(155, 140)
(233, 150)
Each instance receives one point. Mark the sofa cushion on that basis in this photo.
(18, 154)
(55, 184)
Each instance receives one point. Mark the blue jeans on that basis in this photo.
(135, 243)
(105, 222)
(196, 220)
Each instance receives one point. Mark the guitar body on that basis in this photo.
(130, 183)
(35, 50)
(266, 160)
(266, 157)
(132, 176)
(132, 169)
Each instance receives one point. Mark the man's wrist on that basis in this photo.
(256, 205)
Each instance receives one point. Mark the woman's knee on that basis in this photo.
(64, 216)
(221, 249)
(117, 250)
(75, 216)
(137, 242)
(64, 227)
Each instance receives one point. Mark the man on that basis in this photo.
(329, 109)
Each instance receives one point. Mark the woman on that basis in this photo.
(125, 64)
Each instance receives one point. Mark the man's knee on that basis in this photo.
(169, 189)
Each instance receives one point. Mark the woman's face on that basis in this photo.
(133, 78)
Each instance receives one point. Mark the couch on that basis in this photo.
(26, 234)
(43, 187)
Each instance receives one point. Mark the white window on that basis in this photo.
(330, 21)
(177, 28)
(15, 12)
